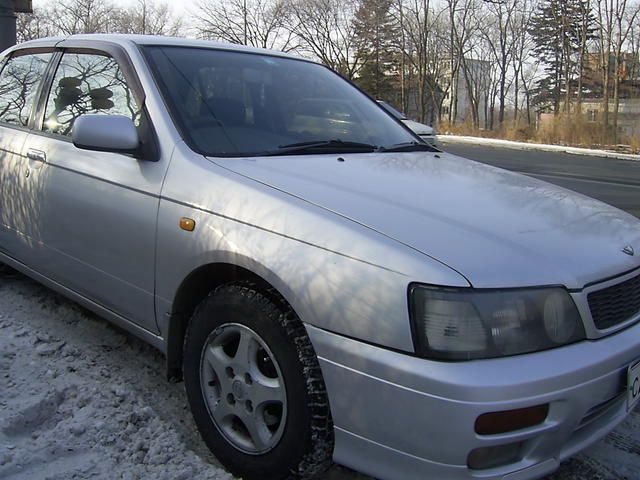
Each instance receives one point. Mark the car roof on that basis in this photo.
(128, 39)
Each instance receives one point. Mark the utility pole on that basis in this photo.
(8, 10)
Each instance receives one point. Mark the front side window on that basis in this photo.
(241, 104)
(19, 83)
(87, 83)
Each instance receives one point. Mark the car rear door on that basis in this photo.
(99, 209)
(21, 79)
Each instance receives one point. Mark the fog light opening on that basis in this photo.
(492, 457)
(511, 420)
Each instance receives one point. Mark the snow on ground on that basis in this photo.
(80, 399)
(495, 142)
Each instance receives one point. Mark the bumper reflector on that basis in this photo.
(511, 420)
(492, 457)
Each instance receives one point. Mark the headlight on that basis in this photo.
(463, 324)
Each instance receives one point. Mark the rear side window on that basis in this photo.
(87, 83)
(19, 83)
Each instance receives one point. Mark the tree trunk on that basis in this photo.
(605, 102)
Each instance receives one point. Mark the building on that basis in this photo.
(466, 92)
(628, 114)
(629, 92)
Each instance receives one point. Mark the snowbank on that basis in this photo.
(82, 400)
(494, 142)
(79, 399)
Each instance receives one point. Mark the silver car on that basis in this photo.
(329, 287)
(425, 132)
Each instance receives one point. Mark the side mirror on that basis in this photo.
(106, 133)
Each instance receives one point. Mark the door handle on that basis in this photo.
(36, 155)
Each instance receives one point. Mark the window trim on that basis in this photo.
(43, 95)
(3, 62)
(44, 98)
(117, 52)
(21, 52)
(150, 148)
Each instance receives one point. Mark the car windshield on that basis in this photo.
(230, 103)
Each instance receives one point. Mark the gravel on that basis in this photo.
(81, 399)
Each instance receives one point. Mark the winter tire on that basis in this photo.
(254, 386)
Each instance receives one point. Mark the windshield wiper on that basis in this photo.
(343, 146)
(321, 146)
(409, 147)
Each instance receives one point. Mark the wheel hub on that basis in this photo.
(243, 388)
(238, 390)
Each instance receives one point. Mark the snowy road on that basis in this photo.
(79, 399)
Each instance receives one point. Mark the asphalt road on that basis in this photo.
(616, 182)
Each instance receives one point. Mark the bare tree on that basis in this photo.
(148, 18)
(258, 23)
(633, 46)
(499, 36)
(606, 22)
(464, 21)
(625, 17)
(325, 29)
(529, 76)
(399, 8)
(82, 16)
(30, 26)
(425, 31)
(615, 21)
(522, 49)
(584, 37)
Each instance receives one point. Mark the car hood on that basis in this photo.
(495, 227)
(419, 128)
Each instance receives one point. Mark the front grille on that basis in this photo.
(613, 305)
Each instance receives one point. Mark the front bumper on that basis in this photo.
(401, 417)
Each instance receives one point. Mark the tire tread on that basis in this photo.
(319, 458)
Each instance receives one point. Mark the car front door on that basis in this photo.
(99, 209)
(21, 169)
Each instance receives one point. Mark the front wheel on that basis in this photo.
(254, 386)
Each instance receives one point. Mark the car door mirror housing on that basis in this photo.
(106, 133)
